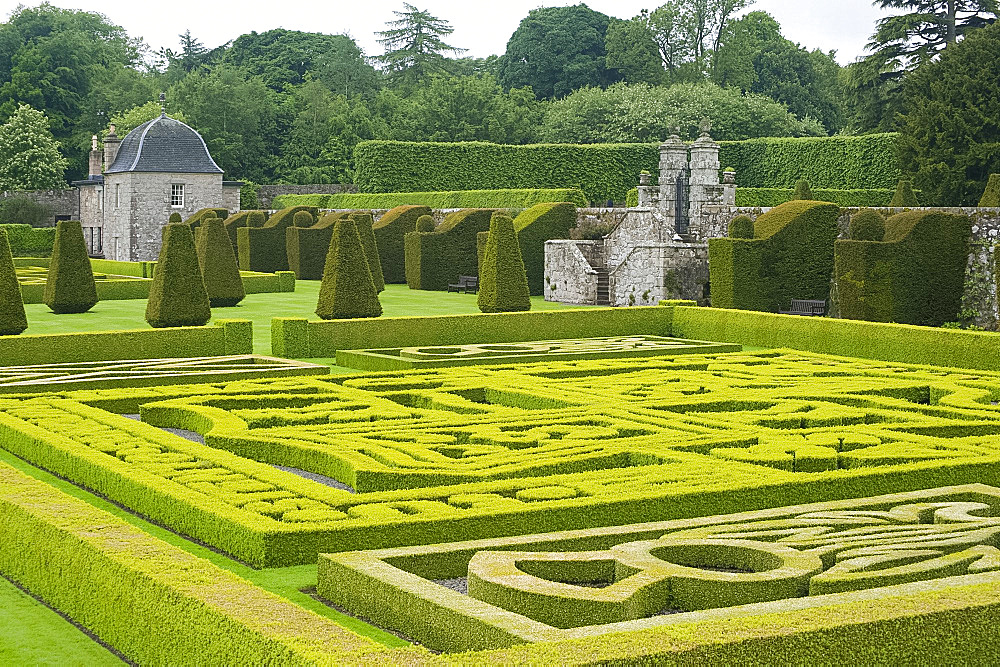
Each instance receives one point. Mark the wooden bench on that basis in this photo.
(808, 307)
(466, 284)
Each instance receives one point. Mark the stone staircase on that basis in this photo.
(603, 286)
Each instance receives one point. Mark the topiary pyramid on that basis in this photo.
(741, 227)
(503, 283)
(177, 297)
(991, 196)
(802, 191)
(12, 318)
(364, 221)
(347, 290)
(866, 225)
(70, 286)
(904, 197)
(217, 261)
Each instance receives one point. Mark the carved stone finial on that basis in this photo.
(163, 104)
(111, 130)
(705, 126)
(93, 143)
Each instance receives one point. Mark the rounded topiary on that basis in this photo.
(217, 262)
(12, 318)
(347, 290)
(904, 197)
(741, 227)
(256, 219)
(425, 223)
(991, 196)
(177, 297)
(867, 225)
(503, 283)
(802, 190)
(70, 286)
(303, 219)
(364, 221)
(175, 217)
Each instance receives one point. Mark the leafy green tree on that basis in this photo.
(689, 34)
(950, 135)
(29, 155)
(414, 44)
(557, 50)
(632, 51)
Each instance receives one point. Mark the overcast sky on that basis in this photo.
(482, 27)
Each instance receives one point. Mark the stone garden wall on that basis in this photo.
(654, 271)
(63, 204)
(577, 281)
(269, 192)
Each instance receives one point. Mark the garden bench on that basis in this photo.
(808, 307)
(467, 284)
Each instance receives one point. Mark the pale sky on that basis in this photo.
(481, 27)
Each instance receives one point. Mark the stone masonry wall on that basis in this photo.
(577, 279)
(64, 204)
(269, 192)
(655, 271)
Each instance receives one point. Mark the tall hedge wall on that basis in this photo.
(436, 259)
(915, 275)
(534, 227)
(263, 248)
(390, 231)
(509, 198)
(608, 171)
(28, 241)
(790, 257)
(306, 247)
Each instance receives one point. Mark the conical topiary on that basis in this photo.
(425, 223)
(503, 283)
(802, 190)
(70, 286)
(904, 197)
(991, 196)
(741, 227)
(347, 290)
(177, 297)
(12, 318)
(866, 225)
(217, 261)
(364, 221)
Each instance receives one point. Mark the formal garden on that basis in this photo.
(590, 388)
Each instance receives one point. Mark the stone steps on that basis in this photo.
(603, 287)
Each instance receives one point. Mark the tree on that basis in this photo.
(414, 44)
(217, 262)
(556, 50)
(12, 318)
(503, 283)
(632, 51)
(950, 135)
(70, 286)
(128, 120)
(29, 155)
(192, 56)
(347, 290)
(177, 297)
(688, 32)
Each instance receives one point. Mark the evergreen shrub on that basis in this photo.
(991, 196)
(740, 227)
(263, 248)
(70, 286)
(243, 219)
(535, 226)
(503, 283)
(175, 217)
(866, 225)
(770, 197)
(509, 198)
(904, 196)
(365, 222)
(12, 318)
(202, 214)
(425, 223)
(390, 231)
(347, 290)
(218, 265)
(436, 259)
(303, 219)
(177, 297)
(916, 275)
(306, 247)
(802, 191)
(789, 257)
(28, 241)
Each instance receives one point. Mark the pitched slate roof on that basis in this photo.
(164, 144)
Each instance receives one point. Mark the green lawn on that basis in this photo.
(397, 301)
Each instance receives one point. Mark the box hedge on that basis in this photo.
(534, 227)
(503, 284)
(790, 257)
(12, 318)
(770, 197)
(263, 248)
(390, 231)
(991, 196)
(365, 223)
(609, 171)
(436, 259)
(243, 219)
(306, 247)
(509, 198)
(218, 265)
(914, 275)
(904, 196)
(201, 215)
(348, 290)
(70, 287)
(28, 241)
(177, 297)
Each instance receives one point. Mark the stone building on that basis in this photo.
(161, 167)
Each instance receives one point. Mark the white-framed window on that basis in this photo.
(177, 195)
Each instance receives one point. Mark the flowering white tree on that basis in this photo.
(29, 155)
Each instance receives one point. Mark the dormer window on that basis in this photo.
(177, 195)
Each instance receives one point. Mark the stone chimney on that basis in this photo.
(111, 144)
(95, 158)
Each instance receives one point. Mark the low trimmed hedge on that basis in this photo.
(768, 197)
(509, 198)
(436, 259)
(28, 241)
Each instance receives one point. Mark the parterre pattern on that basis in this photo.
(501, 450)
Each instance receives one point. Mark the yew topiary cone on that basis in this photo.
(347, 290)
(12, 318)
(70, 286)
(802, 191)
(217, 261)
(177, 297)
(503, 283)
(364, 221)
(904, 197)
